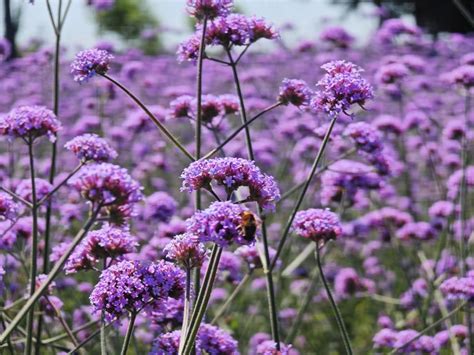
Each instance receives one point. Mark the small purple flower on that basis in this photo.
(91, 147)
(107, 242)
(341, 87)
(391, 73)
(416, 231)
(186, 250)
(160, 207)
(232, 173)
(461, 288)
(29, 123)
(295, 92)
(317, 225)
(462, 76)
(90, 62)
(365, 137)
(211, 9)
(8, 207)
(181, 107)
(107, 184)
(251, 255)
(221, 223)
(132, 286)
(24, 189)
(268, 347)
(348, 283)
(338, 36)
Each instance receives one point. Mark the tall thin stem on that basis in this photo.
(34, 248)
(187, 309)
(202, 300)
(463, 212)
(129, 333)
(303, 192)
(272, 308)
(51, 276)
(155, 120)
(57, 27)
(198, 134)
(337, 313)
(231, 298)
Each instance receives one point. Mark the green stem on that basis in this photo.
(337, 313)
(268, 272)
(155, 120)
(240, 129)
(51, 276)
(187, 309)
(303, 308)
(427, 329)
(231, 298)
(129, 333)
(34, 249)
(202, 300)
(303, 192)
(103, 341)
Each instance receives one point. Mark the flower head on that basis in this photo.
(107, 242)
(221, 223)
(459, 288)
(25, 190)
(107, 184)
(232, 173)
(132, 285)
(367, 138)
(341, 87)
(29, 123)
(8, 207)
(211, 9)
(461, 76)
(295, 92)
(186, 250)
(90, 62)
(338, 36)
(91, 147)
(160, 207)
(317, 225)
(268, 347)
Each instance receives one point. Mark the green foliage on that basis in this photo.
(128, 19)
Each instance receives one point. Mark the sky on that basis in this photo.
(308, 17)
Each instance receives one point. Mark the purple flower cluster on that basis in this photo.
(91, 147)
(210, 340)
(341, 87)
(392, 339)
(462, 76)
(348, 283)
(232, 173)
(209, 9)
(232, 30)
(365, 137)
(461, 288)
(29, 123)
(25, 190)
(132, 286)
(90, 62)
(159, 207)
(337, 36)
(8, 207)
(295, 92)
(317, 225)
(186, 250)
(107, 184)
(346, 180)
(107, 242)
(221, 223)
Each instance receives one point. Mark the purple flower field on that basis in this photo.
(237, 196)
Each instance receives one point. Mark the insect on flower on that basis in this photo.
(249, 225)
